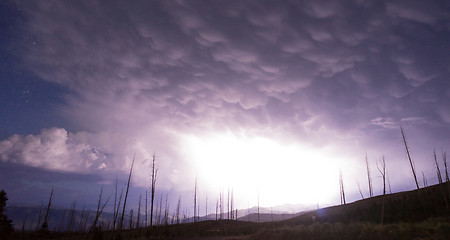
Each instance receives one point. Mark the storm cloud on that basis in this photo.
(141, 75)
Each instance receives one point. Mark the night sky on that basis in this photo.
(262, 97)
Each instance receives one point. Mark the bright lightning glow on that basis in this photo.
(280, 174)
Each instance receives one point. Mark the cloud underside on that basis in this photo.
(309, 70)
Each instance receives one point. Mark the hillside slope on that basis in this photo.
(410, 206)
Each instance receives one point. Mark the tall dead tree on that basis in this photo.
(221, 205)
(258, 207)
(131, 219)
(99, 211)
(388, 181)
(80, 225)
(126, 194)
(341, 184)
(40, 216)
(438, 171)
(178, 210)
(409, 157)
(360, 192)
(117, 202)
(369, 179)
(159, 214)
(71, 218)
(444, 158)
(195, 199)
(439, 176)
(382, 170)
(45, 224)
(97, 214)
(248, 211)
(217, 207)
(166, 210)
(153, 188)
(198, 209)
(425, 184)
(139, 213)
(231, 203)
(146, 212)
(228, 203)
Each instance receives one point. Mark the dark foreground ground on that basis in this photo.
(419, 214)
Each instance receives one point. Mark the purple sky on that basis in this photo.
(260, 96)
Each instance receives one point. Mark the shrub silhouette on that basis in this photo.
(6, 225)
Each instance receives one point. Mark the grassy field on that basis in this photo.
(434, 228)
(438, 228)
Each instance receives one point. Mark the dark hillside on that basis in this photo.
(411, 206)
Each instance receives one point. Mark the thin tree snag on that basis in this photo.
(409, 157)
(126, 193)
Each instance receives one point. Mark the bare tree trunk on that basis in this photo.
(139, 213)
(206, 207)
(178, 210)
(359, 188)
(116, 207)
(439, 176)
(40, 216)
(126, 194)
(146, 212)
(341, 183)
(444, 158)
(116, 214)
(160, 210)
(99, 211)
(45, 224)
(389, 182)
(228, 204)
(217, 206)
(195, 198)
(271, 214)
(248, 211)
(85, 221)
(166, 211)
(71, 217)
(369, 179)
(153, 188)
(258, 207)
(220, 206)
(409, 157)
(80, 227)
(425, 184)
(231, 203)
(382, 170)
(131, 219)
(438, 171)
